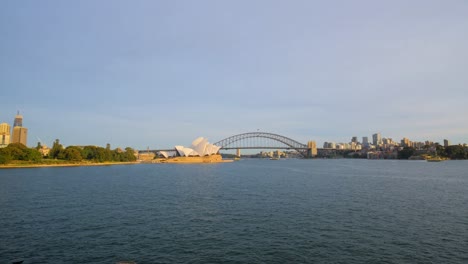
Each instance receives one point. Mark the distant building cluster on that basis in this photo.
(379, 143)
(381, 147)
(18, 135)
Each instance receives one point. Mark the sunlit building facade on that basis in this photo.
(20, 133)
(377, 139)
(4, 134)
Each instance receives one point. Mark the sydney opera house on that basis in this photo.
(200, 151)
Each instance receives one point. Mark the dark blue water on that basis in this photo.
(252, 211)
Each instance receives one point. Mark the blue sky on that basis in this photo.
(161, 73)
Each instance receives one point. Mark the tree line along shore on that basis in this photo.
(19, 155)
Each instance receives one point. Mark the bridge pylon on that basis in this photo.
(311, 149)
(238, 153)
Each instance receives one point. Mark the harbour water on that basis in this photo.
(251, 211)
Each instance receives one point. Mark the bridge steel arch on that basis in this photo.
(235, 142)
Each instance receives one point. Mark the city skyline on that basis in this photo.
(20, 136)
(157, 74)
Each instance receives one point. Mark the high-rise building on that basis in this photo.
(354, 139)
(365, 141)
(18, 120)
(405, 142)
(4, 135)
(377, 139)
(20, 133)
(446, 143)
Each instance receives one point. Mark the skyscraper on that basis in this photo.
(377, 139)
(365, 141)
(446, 143)
(18, 120)
(4, 135)
(20, 133)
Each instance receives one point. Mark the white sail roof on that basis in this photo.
(199, 147)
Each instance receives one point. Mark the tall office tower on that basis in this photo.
(4, 134)
(446, 143)
(20, 133)
(18, 120)
(354, 139)
(365, 141)
(377, 139)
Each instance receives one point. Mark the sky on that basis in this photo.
(162, 73)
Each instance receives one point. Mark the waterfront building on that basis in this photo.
(446, 143)
(146, 156)
(4, 135)
(429, 143)
(388, 141)
(329, 145)
(199, 148)
(365, 141)
(418, 145)
(44, 150)
(20, 133)
(377, 139)
(405, 142)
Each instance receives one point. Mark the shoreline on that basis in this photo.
(180, 160)
(216, 158)
(25, 166)
(186, 162)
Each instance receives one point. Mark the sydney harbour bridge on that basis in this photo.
(262, 140)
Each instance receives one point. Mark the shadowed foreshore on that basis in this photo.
(80, 164)
(184, 160)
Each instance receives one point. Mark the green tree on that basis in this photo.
(5, 156)
(89, 152)
(129, 155)
(18, 151)
(33, 154)
(56, 152)
(73, 153)
(405, 153)
(456, 152)
(107, 153)
(440, 150)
